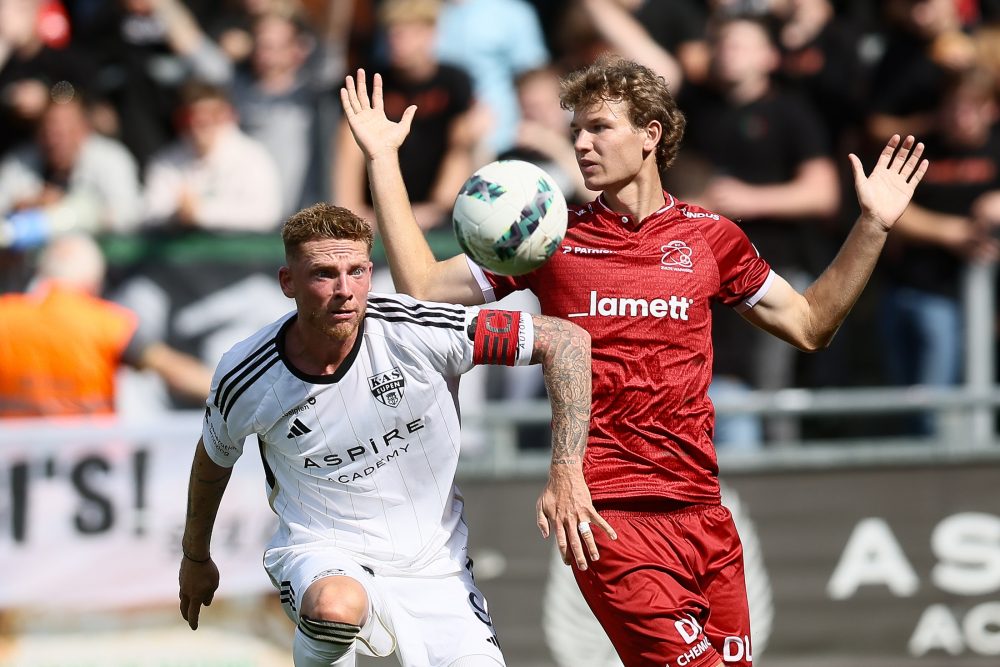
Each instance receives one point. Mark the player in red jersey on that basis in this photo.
(639, 269)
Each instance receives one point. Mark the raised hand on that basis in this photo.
(372, 130)
(886, 192)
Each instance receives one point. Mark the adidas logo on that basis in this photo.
(297, 429)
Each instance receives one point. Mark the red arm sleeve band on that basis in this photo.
(497, 338)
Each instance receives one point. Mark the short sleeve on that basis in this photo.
(744, 276)
(500, 337)
(222, 437)
(222, 448)
(493, 285)
(450, 338)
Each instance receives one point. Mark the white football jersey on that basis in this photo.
(364, 459)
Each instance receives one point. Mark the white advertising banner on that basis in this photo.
(92, 512)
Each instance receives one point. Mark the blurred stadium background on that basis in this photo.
(869, 543)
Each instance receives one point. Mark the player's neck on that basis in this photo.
(314, 352)
(640, 198)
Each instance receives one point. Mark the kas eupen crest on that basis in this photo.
(387, 387)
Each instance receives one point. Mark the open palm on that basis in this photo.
(886, 192)
(372, 130)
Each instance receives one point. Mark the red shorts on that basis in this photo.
(670, 590)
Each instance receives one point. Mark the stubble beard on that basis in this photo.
(339, 332)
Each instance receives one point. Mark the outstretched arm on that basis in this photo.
(563, 350)
(809, 321)
(199, 577)
(415, 270)
(181, 372)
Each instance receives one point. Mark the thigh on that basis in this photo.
(438, 620)
(728, 623)
(651, 589)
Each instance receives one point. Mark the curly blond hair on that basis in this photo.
(645, 94)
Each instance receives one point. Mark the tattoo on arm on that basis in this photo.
(206, 486)
(563, 350)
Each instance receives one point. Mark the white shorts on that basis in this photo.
(428, 621)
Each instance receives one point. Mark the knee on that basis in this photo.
(336, 599)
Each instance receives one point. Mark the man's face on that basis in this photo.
(742, 51)
(277, 48)
(411, 41)
(539, 100)
(609, 150)
(205, 121)
(61, 134)
(329, 280)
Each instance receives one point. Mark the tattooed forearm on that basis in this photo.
(206, 486)
(563, 350)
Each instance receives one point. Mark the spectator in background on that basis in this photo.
(494, 41)
(232, 27)
(29, 69)
(279, 99)
(440, 158)
(948, 225)
(676, 27)
(821, 58)
(61, 345)
(771, 171)
(543, 133)
(69, 178)
(925, 43)
(329, 22)
(679, 27)
(215, 177)
(626, 36)
(146, 51)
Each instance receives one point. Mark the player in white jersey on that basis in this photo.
(351, 400)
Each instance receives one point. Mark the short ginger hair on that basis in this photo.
(325, 221)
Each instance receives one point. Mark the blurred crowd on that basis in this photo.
(128, 116)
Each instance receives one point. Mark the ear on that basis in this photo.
(654, 132)
(285, 280)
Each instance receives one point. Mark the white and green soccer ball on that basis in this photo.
(510, 217)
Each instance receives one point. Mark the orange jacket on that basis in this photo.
(60, 349)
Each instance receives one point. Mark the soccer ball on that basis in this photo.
(510, 217)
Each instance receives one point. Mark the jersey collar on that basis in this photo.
(600, 206)
(334, 377)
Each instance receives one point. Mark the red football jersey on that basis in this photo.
(644, 290)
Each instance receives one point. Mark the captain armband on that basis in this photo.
(502, 338)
